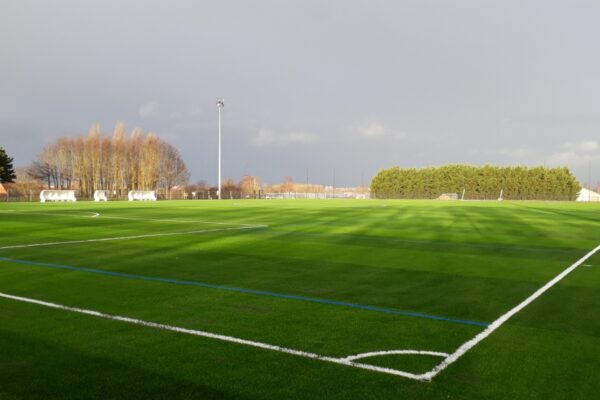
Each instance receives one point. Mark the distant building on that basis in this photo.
(3, 192)
(588, 195)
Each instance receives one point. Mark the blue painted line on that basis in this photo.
(249, 291)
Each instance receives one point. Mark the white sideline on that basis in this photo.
(232, 339)
(20, 246)
(95, 214)
(52, 214)
(180, 221)
(498, 322)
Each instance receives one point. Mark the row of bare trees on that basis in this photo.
(253, 184)
(288, 185)
(121, 162)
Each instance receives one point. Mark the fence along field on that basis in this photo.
(392, 240)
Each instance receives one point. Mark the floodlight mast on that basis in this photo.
(220, 105)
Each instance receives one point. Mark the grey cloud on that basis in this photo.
(351, 85)
(267, 137)
(374, 129)
(149, 110)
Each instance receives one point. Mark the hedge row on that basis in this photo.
(486, 182)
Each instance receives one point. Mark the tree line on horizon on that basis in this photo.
(252, 186)
(484, 182)
(119, 163)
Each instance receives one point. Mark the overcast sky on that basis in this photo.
(344, 86)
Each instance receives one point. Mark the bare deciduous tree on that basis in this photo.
(250, 185)
(118, 163)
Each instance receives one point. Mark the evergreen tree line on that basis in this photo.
(7, 171)
(134, 161)
(486, 182)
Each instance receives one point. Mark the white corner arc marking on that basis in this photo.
(396, 352)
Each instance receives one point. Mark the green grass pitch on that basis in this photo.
(331, 278)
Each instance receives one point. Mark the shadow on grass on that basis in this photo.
(40, 370)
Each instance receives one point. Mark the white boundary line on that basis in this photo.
(95, 214)
(103, 216)
(20, 246)
(179, 221)
(60, 214)
(500, 321)
(232, 339)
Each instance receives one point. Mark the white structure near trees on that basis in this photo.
(57, 195)
(100, 195)
(588, 195)
(141, 195)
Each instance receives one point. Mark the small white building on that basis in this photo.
(588, 195)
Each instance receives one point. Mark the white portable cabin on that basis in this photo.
(57, 195)
(588, 195)
(100, 195)
(141, 195)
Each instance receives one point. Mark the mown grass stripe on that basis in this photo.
(249, 291)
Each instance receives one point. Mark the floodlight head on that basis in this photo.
(220, 103)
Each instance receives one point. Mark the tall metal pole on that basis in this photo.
(219, 186)
(220, 104)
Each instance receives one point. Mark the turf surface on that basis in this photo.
(335, 278)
